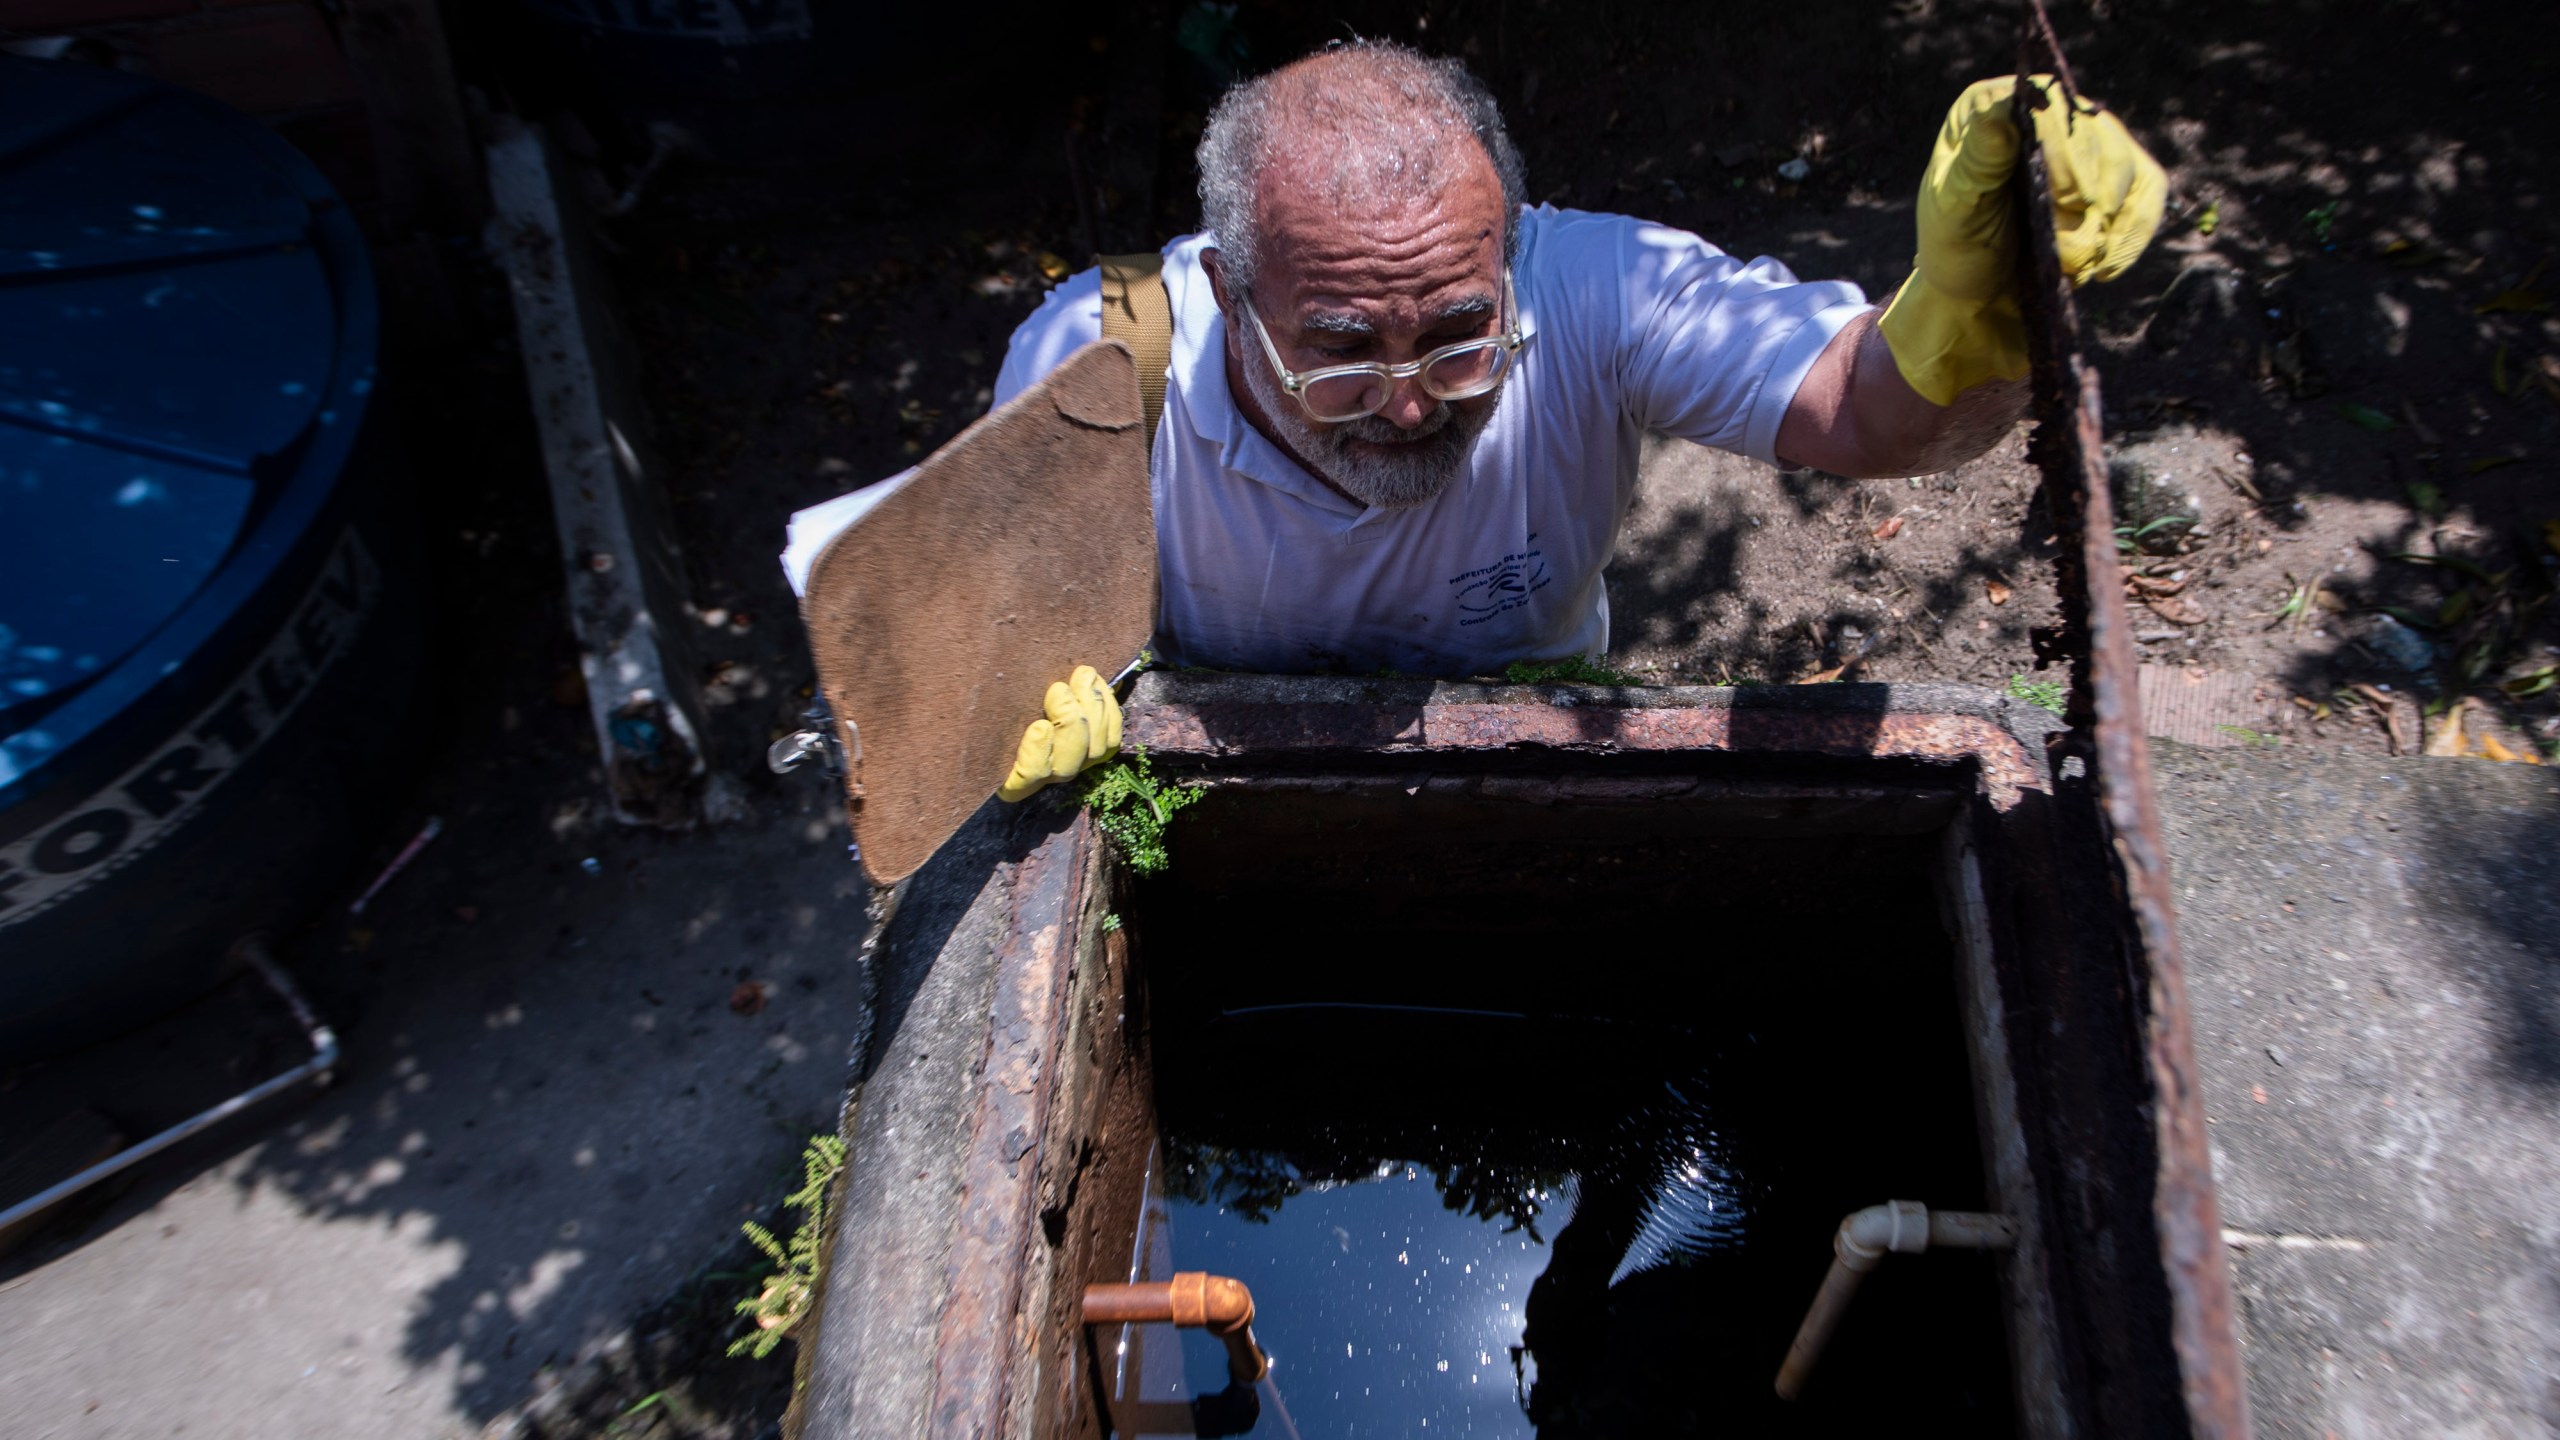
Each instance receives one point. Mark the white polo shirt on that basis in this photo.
(1633, 326)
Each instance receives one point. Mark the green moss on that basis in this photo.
(1572, 670)
(2047, 693)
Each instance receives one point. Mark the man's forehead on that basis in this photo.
(1319, 241)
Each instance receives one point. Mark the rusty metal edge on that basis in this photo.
(1623, 724)
(999, 1174)
(2105, 707)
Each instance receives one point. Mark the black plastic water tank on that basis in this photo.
(207, 624)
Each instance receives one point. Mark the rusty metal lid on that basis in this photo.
(1023, 548)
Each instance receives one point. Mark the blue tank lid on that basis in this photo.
(173, 336)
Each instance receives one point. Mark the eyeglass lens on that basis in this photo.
(1459, 375)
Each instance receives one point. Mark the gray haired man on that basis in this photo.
(1404, 409)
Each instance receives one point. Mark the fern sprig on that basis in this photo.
(782, 1300)
(1133, 809)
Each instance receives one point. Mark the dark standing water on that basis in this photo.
(1552, 1140)
(1402, 1318)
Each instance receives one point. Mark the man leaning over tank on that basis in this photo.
(1446, 504)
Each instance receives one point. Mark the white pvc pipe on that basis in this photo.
(324, 1056)
(1865, 1238)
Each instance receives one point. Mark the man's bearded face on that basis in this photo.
(1373, 460)
(1375, 275)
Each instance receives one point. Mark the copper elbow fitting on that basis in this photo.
(1191, 1300)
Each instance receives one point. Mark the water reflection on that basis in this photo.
(1460, 1292)
(1389, 1313)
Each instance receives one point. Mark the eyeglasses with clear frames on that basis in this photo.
(1335, 394)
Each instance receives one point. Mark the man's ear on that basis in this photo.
(1211, 262)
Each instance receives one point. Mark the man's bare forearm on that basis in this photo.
(1855, 415)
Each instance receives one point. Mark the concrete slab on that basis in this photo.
(550, 1115)
(2373, 953)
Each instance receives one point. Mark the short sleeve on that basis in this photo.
(1069, 320)
(1712, 349)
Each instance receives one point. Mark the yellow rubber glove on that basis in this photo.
(1082, 730)
(1955, 322)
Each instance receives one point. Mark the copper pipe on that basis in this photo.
(1191, 1300)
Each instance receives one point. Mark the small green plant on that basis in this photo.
(783, 1299)
(1572, 670)
(1133, 808)
(2046, 693)
(1111, 922)
(2320, 221)
(2247, 736)
(2130, 538)
(2297, 605)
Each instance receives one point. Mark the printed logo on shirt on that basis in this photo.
(1506, 584)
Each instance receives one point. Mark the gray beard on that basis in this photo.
(1420, 465)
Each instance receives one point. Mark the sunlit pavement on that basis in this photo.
(2373, 968)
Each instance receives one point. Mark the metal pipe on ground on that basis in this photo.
(324, 1057)
(1865, 1238)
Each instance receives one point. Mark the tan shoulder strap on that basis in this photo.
(1138, 313)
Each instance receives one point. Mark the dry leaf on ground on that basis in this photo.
(2397, 715)
(1888, 529)
(2444, 736)
(2174, 610)
(2490, 747)
(1995, 592)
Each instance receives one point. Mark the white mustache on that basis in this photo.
(1377, 430)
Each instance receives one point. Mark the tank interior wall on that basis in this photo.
(1472, 839)
(1101, 1131)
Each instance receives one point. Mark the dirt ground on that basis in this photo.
(2341, 350)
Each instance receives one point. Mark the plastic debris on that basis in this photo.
(2401, 645)
(433, 828)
